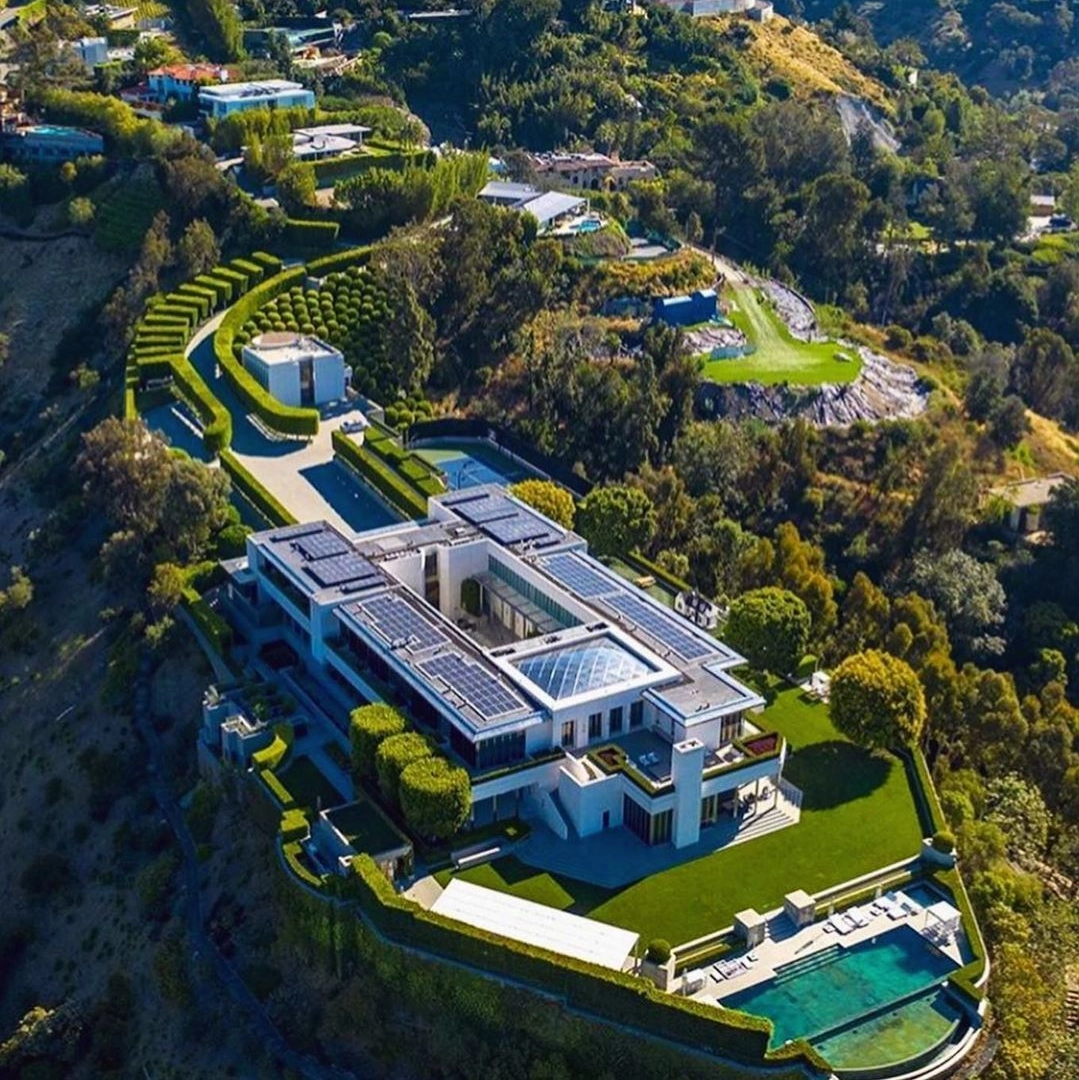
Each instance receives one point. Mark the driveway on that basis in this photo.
(302, 474)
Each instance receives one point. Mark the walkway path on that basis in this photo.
(299, 473)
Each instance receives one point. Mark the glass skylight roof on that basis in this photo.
(577, 669)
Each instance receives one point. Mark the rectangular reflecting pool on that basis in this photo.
(826, 990)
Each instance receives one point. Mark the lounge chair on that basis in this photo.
(858, 917)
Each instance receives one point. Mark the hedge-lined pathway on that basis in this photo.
(300, 474)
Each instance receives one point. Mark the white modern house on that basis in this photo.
(227, 98)
(568, 693)
(297, 369)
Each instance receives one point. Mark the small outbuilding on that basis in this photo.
(799, 907)
(297, 369)
(698, 307)
(750, 925)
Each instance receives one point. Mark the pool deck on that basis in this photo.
(783, 944)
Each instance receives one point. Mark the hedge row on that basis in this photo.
(417, 472)
(221, 289)
(216, 419)
(646, 566)
(278, 790)
(310, 235)
(271, 756)
(291, 852)
(217, 631)
(284, 418)
(615, 996)
(294, 825)
(272, 510)
(381, 476)
(339, 260)
(271, 264)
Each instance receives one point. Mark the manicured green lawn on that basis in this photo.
(305, 783)
(858, 814)
(780, 357)
(366, 829)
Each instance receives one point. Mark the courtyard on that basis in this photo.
(858, 814)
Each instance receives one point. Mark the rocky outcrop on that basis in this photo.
(883, 390)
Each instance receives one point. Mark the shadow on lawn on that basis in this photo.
(835, 772)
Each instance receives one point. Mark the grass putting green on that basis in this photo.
(304, 781)
(780, 357)
(858, 814)
(366, 828)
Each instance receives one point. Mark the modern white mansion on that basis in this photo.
(568, 692)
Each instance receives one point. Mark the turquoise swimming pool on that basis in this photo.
(827, 990)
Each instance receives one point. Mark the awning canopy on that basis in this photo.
(536, 924)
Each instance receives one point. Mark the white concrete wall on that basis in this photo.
(329, 376)
(283, 381)
(455, 564)
(541, 777)
(687, 763)
(586, 803)
(738, 777)
(407, 569)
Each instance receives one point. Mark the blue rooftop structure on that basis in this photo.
(698, 307)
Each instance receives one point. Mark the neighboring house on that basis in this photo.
(566, 692)
(183, 81)
(686, 310)
(327, 141)
(549, 208)
(297, 369)
(91, 50)
(312, 34)
(1026, 499)
(228, 98)
(591, 171)
(49, 143)
(761, 10)
(118, 18)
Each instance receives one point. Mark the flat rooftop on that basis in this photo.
(264, 88)
(536, 924)
(1033, 492)
(285, 347)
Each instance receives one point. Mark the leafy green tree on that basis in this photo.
(616, 519)
(393, 756)
(369, 726)
(1009, 422)
(864, 618)
(1019, 809)
(296, 186)
(18, 595)
(877, 700)
(166, 588)
(967, 594)
(80, 212)
(550, 499)
(436, 797)
(198, 250)
(770, 628)
(993, 727)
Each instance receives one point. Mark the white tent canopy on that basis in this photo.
(942, 918)
(536, 924)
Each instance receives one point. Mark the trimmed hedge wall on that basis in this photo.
(614, 996)
(283, 418)
(278, 790)
(273, 511)
(217, 631)
(216, 419)
(221, 289)
(271, 264)
(271, 756)
(646, 566)
(339, 260)
(310, 235)
(251, 270)
(294, 825)
(291, 851)
(405, 498)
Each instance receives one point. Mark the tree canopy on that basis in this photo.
(770, 628)
(616, 519)
(877, 700)
(550, 499)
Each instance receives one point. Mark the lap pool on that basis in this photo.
(835, 988)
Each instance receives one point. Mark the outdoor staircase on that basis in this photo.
(772, 820)
(816, 960)
(1071, 1001)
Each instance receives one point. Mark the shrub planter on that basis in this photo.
(935, 856)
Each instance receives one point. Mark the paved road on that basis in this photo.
(250, 1008)
(299, 473)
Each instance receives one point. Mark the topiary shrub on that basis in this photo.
(435, 797)
(943, 841)
(369, 726)
(393, 756)
(659, 951)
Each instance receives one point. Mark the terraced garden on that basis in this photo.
(350, 310)
(123, 214)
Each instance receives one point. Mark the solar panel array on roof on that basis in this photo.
(504, 519)
(578, 575)
(321, 545)
(401, 624)
(293, 532)
(339, 569)
(481, 690)
(663, 627)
